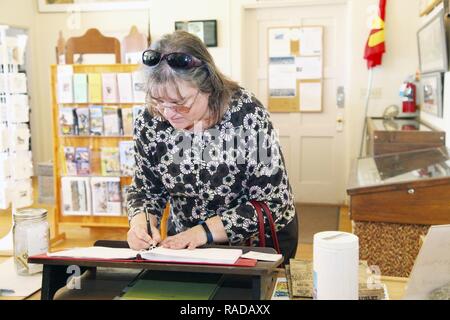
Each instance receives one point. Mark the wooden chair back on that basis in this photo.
(92, 42)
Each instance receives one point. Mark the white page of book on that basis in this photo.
(97, 253)
(208, 255)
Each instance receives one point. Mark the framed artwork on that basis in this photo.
(91, 5)
(204, 29)
(432, 42)
(432, 95)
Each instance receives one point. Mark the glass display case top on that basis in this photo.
(399, 125)
(402, 167)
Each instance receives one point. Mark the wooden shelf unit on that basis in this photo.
(94, 143)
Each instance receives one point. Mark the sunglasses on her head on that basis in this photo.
(176, 60)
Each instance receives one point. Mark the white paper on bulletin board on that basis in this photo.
(279, 42)
(282, 77)
(308, 68)
(311, 39)
(310, 96)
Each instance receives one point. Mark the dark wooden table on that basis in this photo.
(259, 278)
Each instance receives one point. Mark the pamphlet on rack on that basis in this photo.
(80, 88)
(65, 83)
(76, 195)
(110, 89)
(82, 127)
(106, 196)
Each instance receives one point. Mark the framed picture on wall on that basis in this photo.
(204, 29)
(432, 94)
(432, 42)
(92, 5)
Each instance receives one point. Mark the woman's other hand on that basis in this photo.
(191, 239)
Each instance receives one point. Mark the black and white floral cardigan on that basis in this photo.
(215, 173)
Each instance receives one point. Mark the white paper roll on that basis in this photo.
(335, 264)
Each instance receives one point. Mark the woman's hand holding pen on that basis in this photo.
(138, 237)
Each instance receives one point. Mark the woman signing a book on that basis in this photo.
(208, 148)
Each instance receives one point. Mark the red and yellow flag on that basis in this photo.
(375, 47)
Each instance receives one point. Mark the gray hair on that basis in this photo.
(207, 78)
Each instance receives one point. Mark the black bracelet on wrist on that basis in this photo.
(209, 236)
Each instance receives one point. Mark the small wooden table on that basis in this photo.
(56, 273)
(395, 286)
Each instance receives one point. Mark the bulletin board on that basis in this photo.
(295, 69)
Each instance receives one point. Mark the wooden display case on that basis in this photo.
(400, 135)
(394, 199)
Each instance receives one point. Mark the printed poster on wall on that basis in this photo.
(308, 67)
(279, 43)
(282, 77)
(310, 96)
(311, 41)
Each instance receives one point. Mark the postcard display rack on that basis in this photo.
(16, 166)
(94, 108)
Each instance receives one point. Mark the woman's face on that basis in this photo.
(183, 105)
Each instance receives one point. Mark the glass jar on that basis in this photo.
(31, 235)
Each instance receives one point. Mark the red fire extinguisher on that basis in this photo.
(409, 98)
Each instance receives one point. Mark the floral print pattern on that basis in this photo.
(215, 173)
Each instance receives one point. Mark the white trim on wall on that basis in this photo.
(83, 6)
(288, 3)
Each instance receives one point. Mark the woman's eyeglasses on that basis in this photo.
(179, 108)
(176, 60)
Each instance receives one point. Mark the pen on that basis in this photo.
(149, 228)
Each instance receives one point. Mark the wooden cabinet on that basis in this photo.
(400, 135)
(394, 199)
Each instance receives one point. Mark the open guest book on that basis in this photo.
(159, 254)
